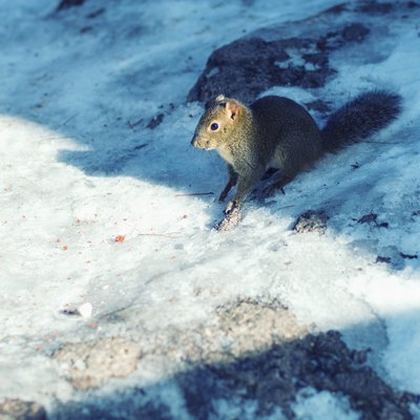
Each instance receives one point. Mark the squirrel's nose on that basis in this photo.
(194, 142)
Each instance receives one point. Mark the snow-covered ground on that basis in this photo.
(98, 208)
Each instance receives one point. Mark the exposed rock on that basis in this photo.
(252, 326)
(372, 219)
(13, 409)
(65, 4)
(294, 54)
(381, 259)
(91, 364)
(376, 7)
(251, 351)
(355, 32)
(409, 256)
(273, 378)
(311, 221)
(128, 406)
(241, 327)
(368, 218)
(155, 121)
(247, 67)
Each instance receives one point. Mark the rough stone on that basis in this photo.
(66, 4)
(93, 363)
(376, 7)
(12, 409)
(155, 121)
(250, 351)
(247, 67)
(273, 378)
(311, 221)
(293, 54)
(240, 327)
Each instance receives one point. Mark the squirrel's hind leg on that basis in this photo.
(277, 184)
(229, 221)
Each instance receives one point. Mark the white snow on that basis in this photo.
(311, 405)
(93, 209)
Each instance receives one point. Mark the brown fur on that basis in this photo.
(276, 132)
(272, 132)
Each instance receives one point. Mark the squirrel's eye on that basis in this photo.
(214, 127)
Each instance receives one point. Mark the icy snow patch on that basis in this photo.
(312, 405)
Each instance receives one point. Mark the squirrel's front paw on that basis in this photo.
(230, 220)
(231, 206)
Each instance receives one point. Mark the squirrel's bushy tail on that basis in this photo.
(359, 118)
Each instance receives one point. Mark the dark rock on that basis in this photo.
(311, 221)
(66, 4)
(381, 259)
(250, 65)
(376, 7)
(371, 219)
(368, 218)
(155, 121)
(336, 10)
(274, 377)
(412, 4)
(255, 355)
(247, 67)
(355, 32)
(298, 53)
(408, 256)
(124, 405)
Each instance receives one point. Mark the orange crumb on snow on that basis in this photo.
(119, 238)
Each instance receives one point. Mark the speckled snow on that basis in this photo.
(79, 168)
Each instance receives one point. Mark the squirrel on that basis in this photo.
(277, 132)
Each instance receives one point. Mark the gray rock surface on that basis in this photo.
(66, 4)
(11, 409)
(251, 352)
(311, 221)
(298, 53)
(90, 364)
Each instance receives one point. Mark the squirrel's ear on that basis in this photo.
(233, 108)
(220, 98)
